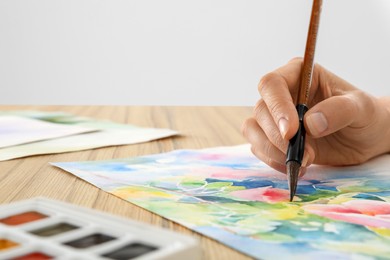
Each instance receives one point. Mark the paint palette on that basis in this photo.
(46, 229)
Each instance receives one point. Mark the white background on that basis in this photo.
(179, 52)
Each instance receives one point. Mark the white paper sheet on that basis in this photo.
(15, 130)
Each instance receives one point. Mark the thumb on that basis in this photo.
(331, 115)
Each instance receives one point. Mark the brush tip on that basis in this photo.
(293, 169)
(291, 196)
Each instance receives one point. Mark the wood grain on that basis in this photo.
(200, 127)
(308, 60)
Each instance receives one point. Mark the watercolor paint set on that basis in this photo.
(47, 229)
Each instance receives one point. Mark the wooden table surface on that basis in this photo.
(200, 127)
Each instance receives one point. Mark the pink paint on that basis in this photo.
(331, 208)
(362, 212)
(222, 173)
(264, 194)
(384, 216)
(213, 157)
(237, 174)
(370, 207)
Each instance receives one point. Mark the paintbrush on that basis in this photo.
(296, 146)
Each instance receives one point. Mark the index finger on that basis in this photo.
(277, 90)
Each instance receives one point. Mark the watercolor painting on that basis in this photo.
(229, 195)
(109, 134)
(15, 130)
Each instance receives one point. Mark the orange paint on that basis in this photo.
(22, 218)
(6, 244)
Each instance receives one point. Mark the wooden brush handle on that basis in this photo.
(308, 61)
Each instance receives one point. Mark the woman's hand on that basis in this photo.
(344, 125)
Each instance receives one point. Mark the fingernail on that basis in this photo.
(283, 125)
(317, 123)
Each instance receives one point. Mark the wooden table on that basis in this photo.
(200, 127)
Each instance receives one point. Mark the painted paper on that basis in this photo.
(15, 130)
(229, 195)
(109, 134)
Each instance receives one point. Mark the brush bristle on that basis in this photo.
(293, 169)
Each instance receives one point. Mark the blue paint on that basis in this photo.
(165, 185)
(216, 199)
(380, 184)
(306, 189)
(247, 183)
(325, 187)
(367, 197)
(103, 167)
(190, 200)
(314, 181)
(385, 193)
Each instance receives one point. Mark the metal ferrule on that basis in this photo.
(296, 145)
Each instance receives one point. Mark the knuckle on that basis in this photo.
(259, 109)
(360, 159)
(296, 59)
(366, 103)
(275, 108)
(275, 102)
(279, 142)
(259, 153)
(349, 105)
(317, 67)
(255, 151)
(268, 161)
(267, 81)
(267, 149)
(244, 127)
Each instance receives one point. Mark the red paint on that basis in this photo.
(34, 256)
(265, 194)
(23, 218)
(276, 195)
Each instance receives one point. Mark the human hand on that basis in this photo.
(344, 125)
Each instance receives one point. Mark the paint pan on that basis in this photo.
(7, 244)
(40, 229)
(90, 240)
(22, 218)
(130, 251)
(34, 256)
(53, 230)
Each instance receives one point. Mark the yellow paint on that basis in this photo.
(381, 231)
(290, 211)
(141, 193)
(339, 199)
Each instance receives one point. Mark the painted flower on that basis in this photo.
(370, 213)
(264, 194)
